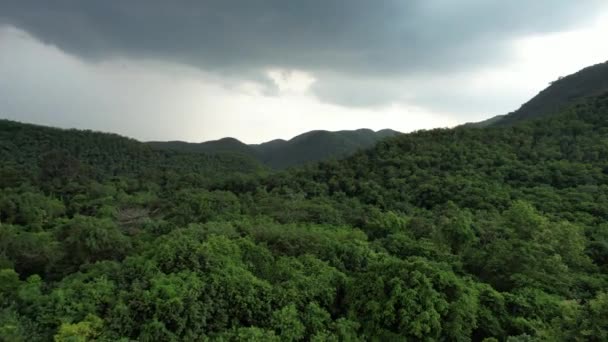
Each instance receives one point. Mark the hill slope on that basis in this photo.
(466, 234)
(31, 149)
(305, 148)
(562, 93)
(564, 150)
(449, 235)
(215, 146)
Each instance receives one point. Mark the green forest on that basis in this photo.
(466, 234)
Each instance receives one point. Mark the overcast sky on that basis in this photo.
(258, 70)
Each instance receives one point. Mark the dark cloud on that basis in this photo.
(354, 38)
(354, 35)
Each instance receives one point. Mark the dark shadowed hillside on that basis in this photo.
(318, 145)
(71, 154)
(560, 94)
(216, 146)
(305, 148)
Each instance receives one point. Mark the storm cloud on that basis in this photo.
(355, 36)
(356, 53)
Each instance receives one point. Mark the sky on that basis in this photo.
(258, 70)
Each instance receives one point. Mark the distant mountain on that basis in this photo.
(318, 145)
(215, 146)
(308, 147)
(562, 93)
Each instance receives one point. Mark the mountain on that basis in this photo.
(564, 150)
(318, 145)
(216, 146)
(485, 123)
(562, 93)
(466, 234)
(32, 149)
(279, 154)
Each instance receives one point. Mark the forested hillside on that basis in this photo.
(216, 146)
(483, 234)
(50, 155)
(558, 96)
(279, 154)
(590, 81)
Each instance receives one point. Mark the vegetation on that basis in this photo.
(280, 154)
(493, 234)
(561, 94)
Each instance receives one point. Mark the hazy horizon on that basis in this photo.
(193, 142)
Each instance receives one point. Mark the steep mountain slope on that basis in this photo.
(305, 148)
(589, 81)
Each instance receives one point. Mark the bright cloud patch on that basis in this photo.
(291, 81)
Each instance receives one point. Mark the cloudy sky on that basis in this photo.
(258, 70)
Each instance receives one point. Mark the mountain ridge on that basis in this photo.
(492, 234)
(560, 94)
(307, 147)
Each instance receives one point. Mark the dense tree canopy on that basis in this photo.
(495, 234)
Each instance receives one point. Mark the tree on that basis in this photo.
(287, 324)
(88, 239)
(87, 330)
(414, 299)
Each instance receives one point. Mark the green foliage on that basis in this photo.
(202, 206)
(593, 325)
(89, 239)
(251, 334)
(87, 330)
(29, 252)
(495, 234)
(287, 324)
(27, 208)
(414, 298)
